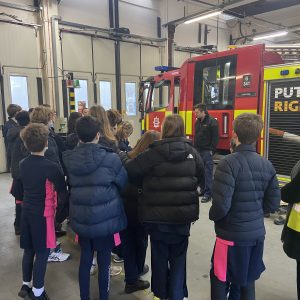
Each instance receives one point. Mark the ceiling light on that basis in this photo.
(202, 17)
(270, 35)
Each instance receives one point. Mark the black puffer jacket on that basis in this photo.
(131, 193)
(171, 170)
(72, 141)
(245, 186)
(19, 152)
(11, 137)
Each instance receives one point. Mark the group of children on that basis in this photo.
(115, 197)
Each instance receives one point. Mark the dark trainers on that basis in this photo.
(139, 285)
(31, 296)
(24, 291)
(279, 221)
(145, 270)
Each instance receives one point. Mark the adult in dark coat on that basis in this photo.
(290, 193)
(206, 141)
(12, 111)
(16, 153)
(96, 177)
(134, 237)
(171, 170)
(245, 187)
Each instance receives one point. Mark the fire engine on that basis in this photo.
(232, 82)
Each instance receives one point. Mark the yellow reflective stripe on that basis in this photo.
(143, 124)
(285, 179)
(72, 102)
(168, 113)
(273, 73)
(242, 111)
(263, 136)
(189, 122)
(72, 94)
(147, 122)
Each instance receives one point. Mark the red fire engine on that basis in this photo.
(228, 82)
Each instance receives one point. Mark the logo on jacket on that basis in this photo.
(190, 156)
(156, 122)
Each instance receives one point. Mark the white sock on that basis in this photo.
(94, 261)
(27, 283)
(38, 292)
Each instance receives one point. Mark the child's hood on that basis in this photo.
(84, 159)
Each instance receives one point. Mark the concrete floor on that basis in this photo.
(278, 282)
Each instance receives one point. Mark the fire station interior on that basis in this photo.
(149, 59)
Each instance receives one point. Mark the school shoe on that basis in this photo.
(17, 230)
(205, 199)
(58, 256)
(31, 296)
(145, 270)
(279, 221)
(24, 291)
(115, 271)
(117, 259)
(139, 285)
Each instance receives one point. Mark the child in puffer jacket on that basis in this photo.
(96, 177)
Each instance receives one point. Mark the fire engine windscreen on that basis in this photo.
(157, 94)
(215, 82)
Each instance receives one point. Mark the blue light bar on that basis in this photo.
(163, 68)
(284, 72)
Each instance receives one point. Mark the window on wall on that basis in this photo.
(81, 96)
(19, 91)
(105, 94)
(130, 96)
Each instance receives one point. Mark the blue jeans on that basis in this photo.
(208, 169)
(134, 243)
(168, 263)
(103, 247)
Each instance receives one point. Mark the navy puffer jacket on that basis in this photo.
(96, 176)
(245, 186)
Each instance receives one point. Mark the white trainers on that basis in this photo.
(58, 256)
(93, 270)
(115, 270)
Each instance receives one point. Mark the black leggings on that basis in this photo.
(35, 268)
(219, 290)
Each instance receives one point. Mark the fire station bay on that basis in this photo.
(150, 149)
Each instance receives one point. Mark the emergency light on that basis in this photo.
(164, 68)
(284, 72)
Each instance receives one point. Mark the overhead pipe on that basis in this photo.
(110, 32)
(32, 25)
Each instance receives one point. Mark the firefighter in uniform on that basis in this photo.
(206, 140)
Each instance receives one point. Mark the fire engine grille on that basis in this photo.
(284, 115)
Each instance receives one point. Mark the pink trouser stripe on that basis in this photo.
(117, 239)
(49, 213)
(220, 258)
(19, 201)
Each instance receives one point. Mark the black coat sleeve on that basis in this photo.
(214, 134)
(290, 193)
(272, 195)
(58, 179)
(222, 191)
(199, 167)
(142, 164)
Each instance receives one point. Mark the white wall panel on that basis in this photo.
(19, 46)
(140, 20)
(104, 54)
(77, 52)
(90, 12)
(151, 57)
(180, 57)
(130, 59)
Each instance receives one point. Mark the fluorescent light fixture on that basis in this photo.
(203, 17)
(270, 35)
